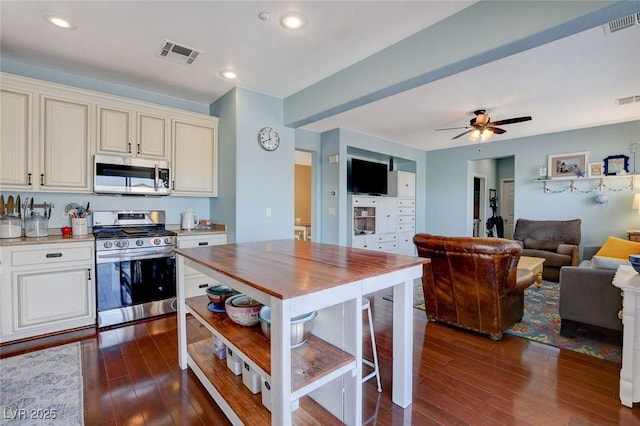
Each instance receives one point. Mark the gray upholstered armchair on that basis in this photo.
(588, 297)
(556, 241)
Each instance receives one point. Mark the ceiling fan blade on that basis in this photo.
(511, 121)
(496, 130)
(462, 134)
(452, 128)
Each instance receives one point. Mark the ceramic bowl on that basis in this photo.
(218, 294)
(301, 326)
(243, 310)
(634, 259)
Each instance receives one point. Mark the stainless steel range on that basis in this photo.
(135, 266)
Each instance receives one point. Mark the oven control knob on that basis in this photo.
(108, 244)
(122, 243)
(139, 242)
(167, 241)
(157, 241)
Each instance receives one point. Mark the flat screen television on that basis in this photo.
(367, 177)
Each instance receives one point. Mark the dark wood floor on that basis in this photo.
(131, 377)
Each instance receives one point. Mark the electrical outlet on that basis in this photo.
(268, 211)
(332, 211)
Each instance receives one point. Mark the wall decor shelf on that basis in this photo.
(588, 185)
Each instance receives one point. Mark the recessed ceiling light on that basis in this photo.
(60, 22)
(292, 21)
(229, 75)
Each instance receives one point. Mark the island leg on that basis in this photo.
(402, 344)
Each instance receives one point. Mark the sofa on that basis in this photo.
(556, 241)
(587, 296)
(473, 283)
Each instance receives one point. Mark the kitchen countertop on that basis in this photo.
(216, 228)
(55, 236)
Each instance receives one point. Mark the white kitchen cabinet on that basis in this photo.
(16, 138)
(50, 132)
(46, 288)
(46, 137)
(132, 130)
(195, 156)
(406, 226)
(196, 283)
(64, 144)
(385, 224)
(401, 184)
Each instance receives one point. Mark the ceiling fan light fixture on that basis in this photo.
(486, 134)
(474, 135)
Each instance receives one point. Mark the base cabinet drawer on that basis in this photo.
(197, 285)
(51, 256)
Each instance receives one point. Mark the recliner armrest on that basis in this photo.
(570, 250)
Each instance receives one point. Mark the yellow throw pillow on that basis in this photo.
(618, 248)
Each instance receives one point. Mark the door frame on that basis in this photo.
(482, 207)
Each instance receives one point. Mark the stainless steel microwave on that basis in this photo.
(131, 176)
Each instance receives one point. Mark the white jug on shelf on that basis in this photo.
(189, 220)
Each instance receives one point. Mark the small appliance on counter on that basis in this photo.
(189, 220)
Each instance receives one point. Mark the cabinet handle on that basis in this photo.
(29, 178)
(173, 185)
(50, 255)
(42, 179)
(138, 149)
(89, 273)
(129, 147)
(203, 286)
(203, 243)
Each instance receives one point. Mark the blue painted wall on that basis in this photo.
(448, 182)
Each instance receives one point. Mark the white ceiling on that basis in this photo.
(567, 84)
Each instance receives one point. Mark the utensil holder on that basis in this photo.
(79, 226)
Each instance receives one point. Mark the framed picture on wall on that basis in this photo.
(567, 166)
(616, 165)
(595, 170)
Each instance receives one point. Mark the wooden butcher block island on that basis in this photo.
(320, 381)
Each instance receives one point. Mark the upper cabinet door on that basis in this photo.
(131, 131)
(64, 144)
(115, 130)
(16, 143)
(152, 135)
(195, 156)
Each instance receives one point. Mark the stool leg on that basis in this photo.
(375, 351)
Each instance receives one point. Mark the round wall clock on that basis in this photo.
(268, 138)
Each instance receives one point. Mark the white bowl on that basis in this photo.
(243, 310)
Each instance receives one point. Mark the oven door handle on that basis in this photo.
(105, 258)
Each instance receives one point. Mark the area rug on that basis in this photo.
(42, 387)
(541, 323)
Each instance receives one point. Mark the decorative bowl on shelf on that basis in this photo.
(634, 259)
(243, 310)
(301, 326)
(218, 294)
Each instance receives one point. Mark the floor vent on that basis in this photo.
(628, 100)
(178, 53)
(622, 23)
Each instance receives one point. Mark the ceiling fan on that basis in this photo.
(482, 128)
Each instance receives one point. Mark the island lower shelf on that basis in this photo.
(312, 364)
(218, 381)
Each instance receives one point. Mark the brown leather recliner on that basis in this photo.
(473, 283)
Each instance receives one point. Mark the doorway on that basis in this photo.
(303, 195)
(507, 190)
(479, 197)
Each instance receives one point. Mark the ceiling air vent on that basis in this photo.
(621, 23)
(178, 53)
(628, 100)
